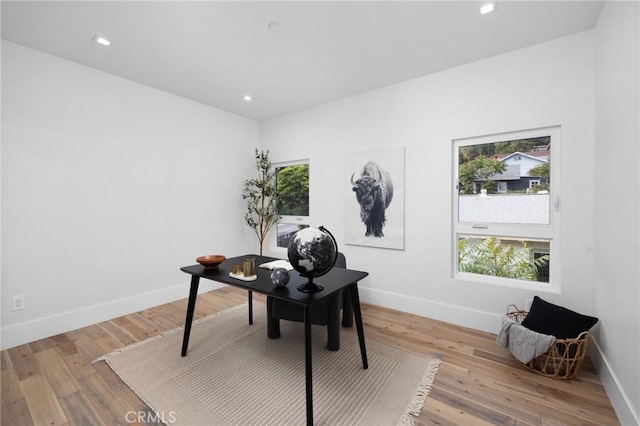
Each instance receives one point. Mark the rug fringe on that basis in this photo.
(420, 395)
(164, 333)
(158, 414)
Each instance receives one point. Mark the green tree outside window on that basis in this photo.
(491, 257)
(293, 190)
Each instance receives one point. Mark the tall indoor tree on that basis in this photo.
(260, 194)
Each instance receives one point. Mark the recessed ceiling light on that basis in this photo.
(276, 27)
(487, 8)
(247, 98)
(101, 40)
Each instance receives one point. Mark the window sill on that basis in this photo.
(507, 282)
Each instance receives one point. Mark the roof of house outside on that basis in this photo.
(540, 153)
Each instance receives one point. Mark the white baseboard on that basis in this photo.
(40, 328)
(453, 314)
(619, 399)
(490, 323)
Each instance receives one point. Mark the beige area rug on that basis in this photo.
(234, 375)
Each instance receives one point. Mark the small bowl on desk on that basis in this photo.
(211, 261)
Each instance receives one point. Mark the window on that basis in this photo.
(292, 200)
(506, 222)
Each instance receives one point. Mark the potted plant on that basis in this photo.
(260, 194)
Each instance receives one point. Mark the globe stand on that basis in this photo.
(310, 287)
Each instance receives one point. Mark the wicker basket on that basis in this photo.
(563, 360)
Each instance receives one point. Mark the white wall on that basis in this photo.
(108, 188)
(545, 85)
(617, 204)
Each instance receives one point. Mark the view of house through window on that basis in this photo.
(292, 200)
(286, 231)
(503, 206)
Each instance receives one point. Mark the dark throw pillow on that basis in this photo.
(547, 318)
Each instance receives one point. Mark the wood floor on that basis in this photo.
(53, 382)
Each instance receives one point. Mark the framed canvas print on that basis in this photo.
(374, 198)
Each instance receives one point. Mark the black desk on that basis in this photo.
(335, 280)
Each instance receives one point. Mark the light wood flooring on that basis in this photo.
(53, 382)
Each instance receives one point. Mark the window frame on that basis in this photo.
(290, 219)
(548, 232)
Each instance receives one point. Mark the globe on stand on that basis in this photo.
(280, 277)
(312, 252)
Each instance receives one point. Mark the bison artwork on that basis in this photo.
(374, 192)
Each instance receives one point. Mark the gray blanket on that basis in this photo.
(523, 343)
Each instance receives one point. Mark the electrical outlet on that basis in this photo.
(527, 304)
(17, 303)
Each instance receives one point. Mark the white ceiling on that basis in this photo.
(320, 51)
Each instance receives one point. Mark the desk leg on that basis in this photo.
(308, 368)
(191, 307)
(250, 307)
(355, 301)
